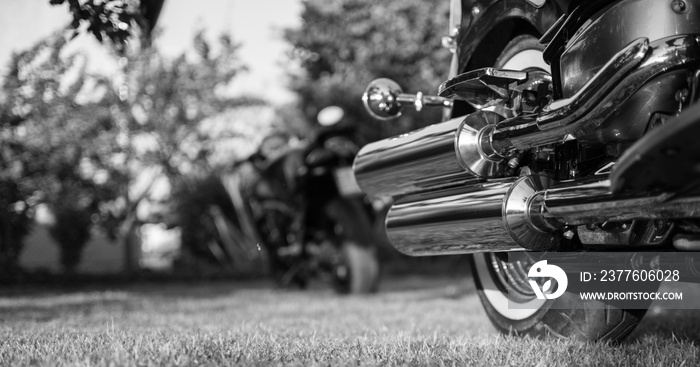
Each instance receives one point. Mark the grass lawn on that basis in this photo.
(413, 321)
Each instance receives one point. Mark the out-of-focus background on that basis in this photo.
(173, 171)
(125, 126)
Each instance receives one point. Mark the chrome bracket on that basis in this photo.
(384, 99)
(483, 87)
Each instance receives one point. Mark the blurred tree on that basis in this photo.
(57, 130)
(81, 142)
(15, 215)
(168, 98)
(342, 45)
(164, 104)
(113, 19)
(15, 222)
(71, 228)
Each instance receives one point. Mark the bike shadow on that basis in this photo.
(42, 303)
(43, 307)
(660, 324)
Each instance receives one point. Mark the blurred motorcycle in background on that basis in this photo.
(305, 208)
(568, 126)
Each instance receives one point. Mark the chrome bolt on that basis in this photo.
(678, 6)
(514, 162)
(569, 234)
(418, 103)
(682, 95)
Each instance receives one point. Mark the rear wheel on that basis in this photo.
(356, 269)
(492, 270)
(588, 321)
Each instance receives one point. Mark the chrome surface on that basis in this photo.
(380, 99)
(443, 154)
(611, 29)
(411, 162)
(599, 98)
(450, 40)
(468, 144)
(632, 118)
(594, 202)
(537, 3)
(384, 99)
(517, 211)
(453, 221)
(696, 87)
(511, 214)
(483, 87)
(535, 90)
(527, 131)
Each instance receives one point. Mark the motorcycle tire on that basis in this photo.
(588, 321)
(594, 322)
(357, 270)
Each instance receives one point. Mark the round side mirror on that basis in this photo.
(381, 99)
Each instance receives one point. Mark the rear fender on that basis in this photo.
(488, 25)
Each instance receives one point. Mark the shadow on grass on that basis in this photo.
(682, 325)
(454, 286)
(198, 290)
(47, 308)
(43, 304)
(678, 324)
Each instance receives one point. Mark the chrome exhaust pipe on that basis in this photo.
(411, 162)
(594, 202)
(491, 216)
(447, 178)
(470, 149)
(427, 159)
(517, 214)
(453, 221)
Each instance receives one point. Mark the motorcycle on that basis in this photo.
(568, 126)
(308, 212)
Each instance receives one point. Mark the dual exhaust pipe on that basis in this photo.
(516, 214)
(453, 182)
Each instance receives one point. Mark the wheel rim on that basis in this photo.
(493, 269)
(527, 59)
(489, 269)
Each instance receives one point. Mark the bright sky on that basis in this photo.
(256, 24)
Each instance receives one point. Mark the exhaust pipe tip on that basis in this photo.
(523, 214)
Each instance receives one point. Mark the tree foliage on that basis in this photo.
(59, 128)
(105, 19)
(168, 98)
(342, 45)
(79, 142)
